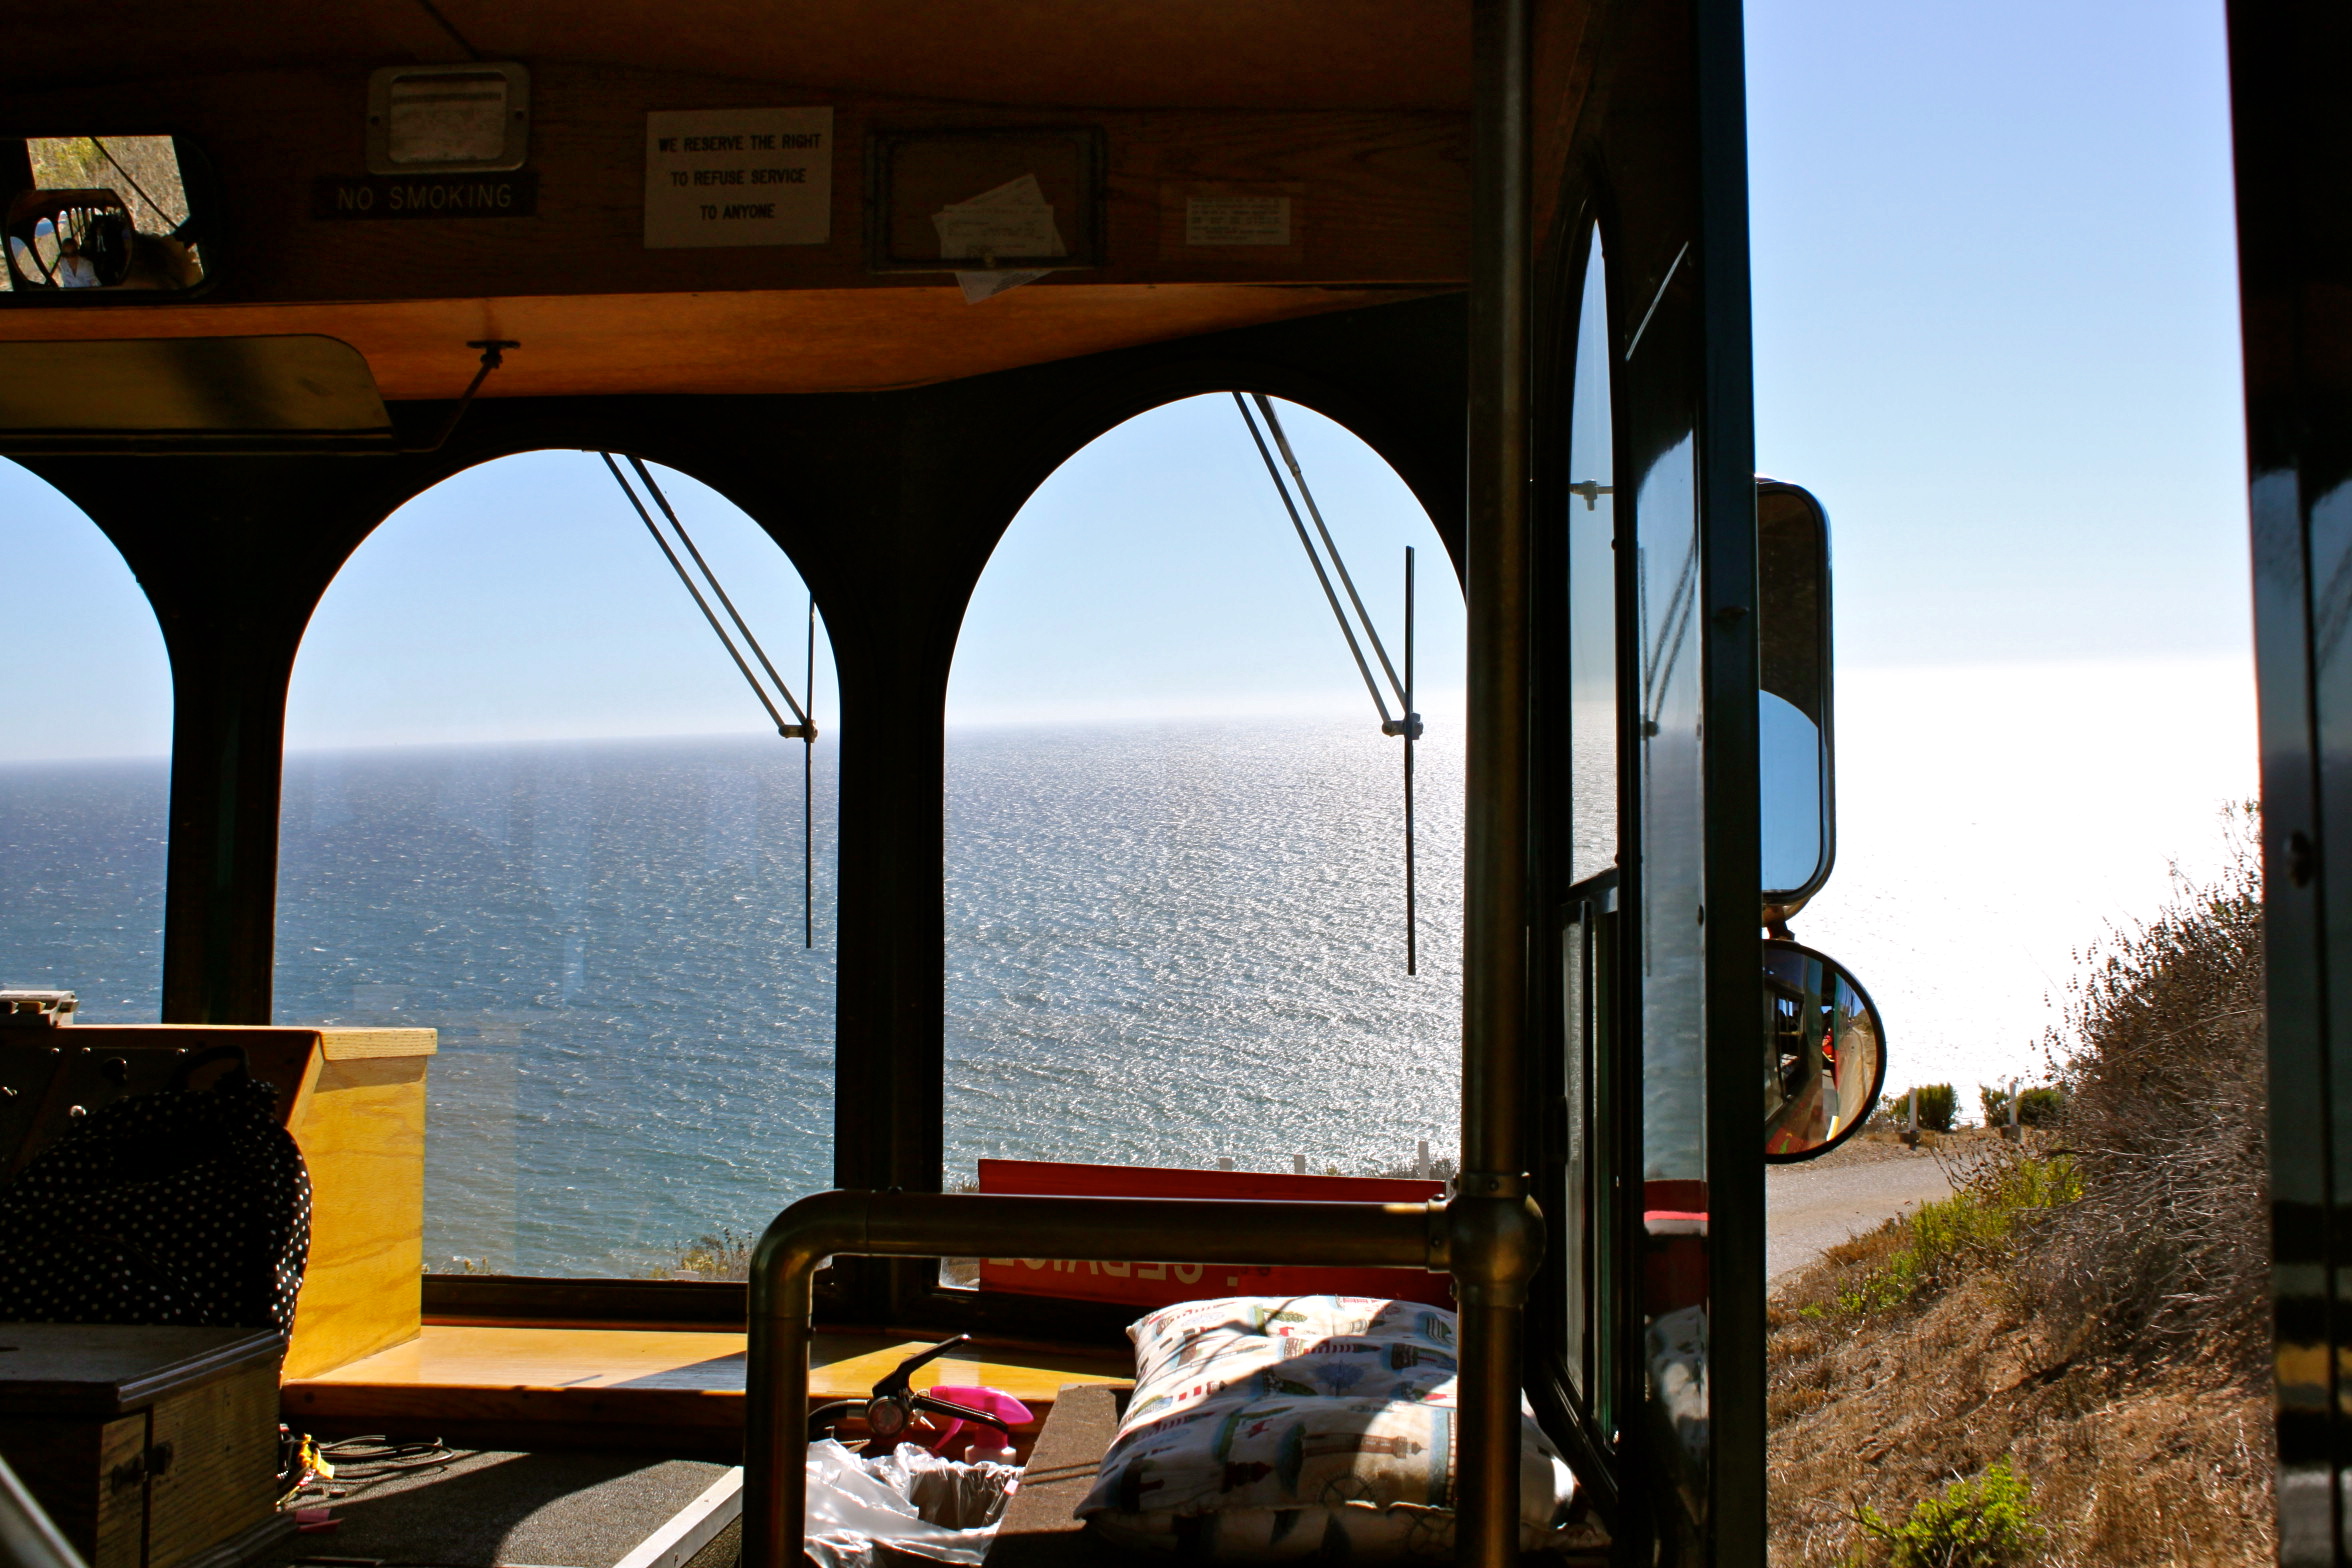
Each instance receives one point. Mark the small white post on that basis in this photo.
(1421, 1158)
(1298, 1164)
(1224, 1162)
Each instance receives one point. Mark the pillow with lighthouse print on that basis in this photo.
(1268, 1428)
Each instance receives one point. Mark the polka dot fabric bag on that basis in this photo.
(1321, 1428)
(185, 1206)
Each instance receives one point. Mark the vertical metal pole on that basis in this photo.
(1491, 1223)
(775, 1417)
(1735, 1521)
(808, 790)
(1412, 726)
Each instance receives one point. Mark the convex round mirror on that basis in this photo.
(1825, 1053)
(1796, 782)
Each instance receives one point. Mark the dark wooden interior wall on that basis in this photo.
(2293, 123)
(1651, 146)
(889, 504)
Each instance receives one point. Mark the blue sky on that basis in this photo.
(1996, 320)
(1995, 332)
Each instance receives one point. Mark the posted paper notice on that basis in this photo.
(738, 177)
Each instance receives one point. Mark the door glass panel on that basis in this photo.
(1592, 739)
(1592, 589)
(1573, 1223)
(1671, 937)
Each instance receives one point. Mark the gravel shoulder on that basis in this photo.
(1811, 1208)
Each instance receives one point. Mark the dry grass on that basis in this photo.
(2100, 1325)
(2130, 1465)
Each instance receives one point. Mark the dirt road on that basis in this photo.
(1811, 1208)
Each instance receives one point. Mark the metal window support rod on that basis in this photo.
(1347, 628)
(808, 727)
(1407, 721)
(804, 725)
(790, 731)
(1490, 1247)
(493, 358)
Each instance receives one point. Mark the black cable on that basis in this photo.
(135, 185)
(446, 26)
(374, 1457)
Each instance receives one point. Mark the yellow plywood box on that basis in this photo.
(354, 1100)
(361, 1128)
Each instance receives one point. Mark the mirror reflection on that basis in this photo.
(98, 213)
(1793, 698)
(1825, 1053)
(1789, 753)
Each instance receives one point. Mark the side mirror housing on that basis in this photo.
(1796, 734)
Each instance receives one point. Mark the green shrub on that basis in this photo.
(1939, 1104)
(722, 1255)
(2041, 1107)
(2162, 1059)
(1981, 1223)
(2035, 1107)
(1988, 1522)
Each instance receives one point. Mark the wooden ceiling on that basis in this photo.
(1357, 111)
(1270, 54)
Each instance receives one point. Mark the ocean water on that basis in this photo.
(1166, 943)
(1175, 944)
(636, 1048)
(81, 884)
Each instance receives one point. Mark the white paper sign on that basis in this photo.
(1237, 220)
(738, 177)
(1014, 219)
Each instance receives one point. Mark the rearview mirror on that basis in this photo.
(1825, 1053)
(1793, 721)
(97, 217)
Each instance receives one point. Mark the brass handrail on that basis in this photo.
(1503, 1239)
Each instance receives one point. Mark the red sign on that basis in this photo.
(1145, 1284)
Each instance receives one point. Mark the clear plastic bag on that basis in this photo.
(912, 1500)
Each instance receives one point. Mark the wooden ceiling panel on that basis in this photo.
(1294, 54)
(1377, 197)
(802, 340)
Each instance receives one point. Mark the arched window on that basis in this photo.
(84, 762)
(531, 803)
(1175, 867)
